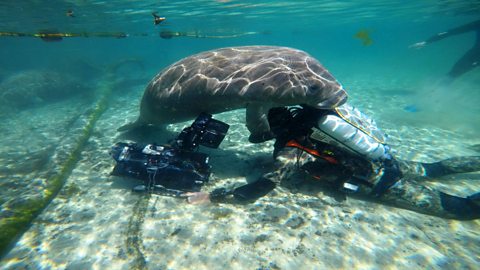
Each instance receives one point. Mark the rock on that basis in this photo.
(261, 238)
(221, 212)
(294, 222)
(247, 239)
(274, 213)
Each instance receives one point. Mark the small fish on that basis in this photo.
(364, 36)
(70, 13)
(157, 19)
(411, 108)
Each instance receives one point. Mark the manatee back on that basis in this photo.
(229, 78)
(227, 69)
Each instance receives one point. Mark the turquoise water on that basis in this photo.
(54, 152)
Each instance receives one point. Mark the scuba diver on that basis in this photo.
(470, 59)
(345, 150)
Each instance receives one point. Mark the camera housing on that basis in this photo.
(204, 131)
(161, 165)
(176, 167)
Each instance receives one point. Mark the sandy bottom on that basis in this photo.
(96, 222)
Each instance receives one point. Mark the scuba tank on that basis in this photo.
(353, 131)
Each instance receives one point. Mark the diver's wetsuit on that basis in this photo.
(335, 167)
(471, 58)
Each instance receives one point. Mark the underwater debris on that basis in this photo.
(364, 36)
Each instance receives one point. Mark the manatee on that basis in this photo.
(257, 78)
(31, 88)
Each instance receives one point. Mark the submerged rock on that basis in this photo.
(294, 222)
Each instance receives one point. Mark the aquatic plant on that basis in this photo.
(364, 36)
(69, 191)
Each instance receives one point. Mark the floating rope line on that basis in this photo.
(56, 36)
(165, 34)
(13, 226)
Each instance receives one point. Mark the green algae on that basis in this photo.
(20, 218)
(133, 243)
(69, 191)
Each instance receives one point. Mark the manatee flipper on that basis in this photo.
(132, 125)
(257, 123)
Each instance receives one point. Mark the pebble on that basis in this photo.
(359, 216)
(221, 212)
(294, 222)
(247, 239)
(274, 213)
(251, 239)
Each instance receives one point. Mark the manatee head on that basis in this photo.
(303, 81)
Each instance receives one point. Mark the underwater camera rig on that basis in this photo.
(171, 169)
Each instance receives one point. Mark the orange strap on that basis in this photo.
(294, 143)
